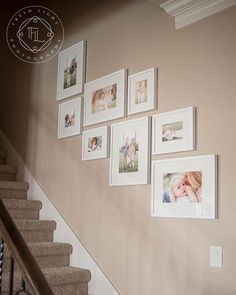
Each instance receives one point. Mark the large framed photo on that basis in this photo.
(71, 70)
(173, 131)
(69, 118)
(142, 91)
(184, 187)
(104, 98)
(129, 162)
(95, 143)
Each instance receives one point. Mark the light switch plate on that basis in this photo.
(216, 256)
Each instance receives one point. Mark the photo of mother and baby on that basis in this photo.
(182, 187)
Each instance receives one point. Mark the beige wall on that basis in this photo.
(197, 66)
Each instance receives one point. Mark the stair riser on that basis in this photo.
(19, 214)
(35, 236)
(43, 262)
(7, 176)
(12, 194)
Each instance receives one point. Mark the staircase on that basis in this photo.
(52, 257)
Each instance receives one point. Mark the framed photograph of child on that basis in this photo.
(129, 161)
(95, 143)
(71, 70)
(142, 91)
(173, 131)
(104, 98)
(69, 118)
(184, 187)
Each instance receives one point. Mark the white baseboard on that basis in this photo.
(99, 284)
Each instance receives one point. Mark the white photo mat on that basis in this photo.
(125, 170)
(99, 108)
(205, 208)
(95, 143)
(179, 123)
(71, 70)
(142, 91)
(69, 118)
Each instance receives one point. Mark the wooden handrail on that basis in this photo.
(21, 253)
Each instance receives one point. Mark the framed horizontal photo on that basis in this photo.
(69, 118)
(129, 156)
(184, 187)
(71, 70)
(173, 131)
(95, 143)
(142, 91)
(104, 98)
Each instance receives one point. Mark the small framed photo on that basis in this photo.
(129, 161)
(95, 143)
(69, 118)
(71, 70)
(142, 91)
(104, 98)
(184, 187)
(173, 131)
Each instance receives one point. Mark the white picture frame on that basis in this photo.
(104, 98)
(184, 187)
(129, 152)
(95, 143)
(71, 70)
(142, 91)
(69, 118)
(173, 131)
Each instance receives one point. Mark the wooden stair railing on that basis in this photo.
(20, 253)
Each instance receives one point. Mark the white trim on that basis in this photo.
(186, 12)
(99, 284)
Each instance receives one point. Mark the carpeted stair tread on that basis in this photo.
(56, 277)
(22, 204)
(8, 169)
(66, 275)
(47, 248)
(31, 225)
(14, 185)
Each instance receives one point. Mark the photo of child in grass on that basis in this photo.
(183, 187)
(70, 71)
(128, 154)
(173, 131)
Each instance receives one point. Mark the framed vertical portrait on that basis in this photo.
(104, 98)
(69, 118)
(142, 91)
(129, 155)
(71, 70)
(95, 143)
(184, 187)
(173, 131)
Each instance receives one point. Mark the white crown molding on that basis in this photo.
(186, 12)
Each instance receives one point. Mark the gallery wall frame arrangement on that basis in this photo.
(142, 91)
(129, 152)
(95, 143)
(69, 118)
(71, 70)
(173, 131)
(104, 98)
(184, 187)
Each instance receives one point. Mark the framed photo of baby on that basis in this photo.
(69, 118)
(104, 98)
(173, 131)
(184, 187)
(71, 71)
(95, 143)
(142, 91)
(129, 162)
